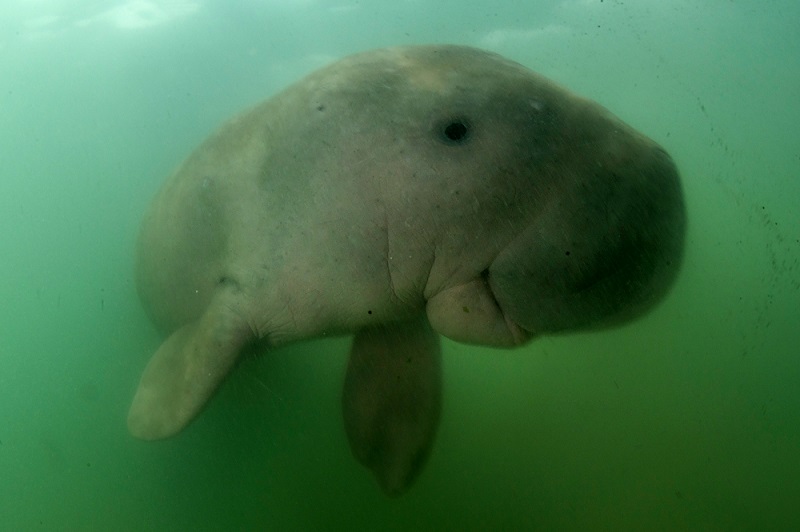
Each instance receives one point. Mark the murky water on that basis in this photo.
(686, 419)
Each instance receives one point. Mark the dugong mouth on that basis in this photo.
(518, 333)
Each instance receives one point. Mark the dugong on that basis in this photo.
(400, 194)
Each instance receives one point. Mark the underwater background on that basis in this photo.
(686, 419)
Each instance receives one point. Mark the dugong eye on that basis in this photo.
(455, 131)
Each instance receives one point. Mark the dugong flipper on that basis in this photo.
(400, 194)
(189, 366)
(392, 399)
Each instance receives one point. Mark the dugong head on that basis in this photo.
(525, 208)
(400, 194)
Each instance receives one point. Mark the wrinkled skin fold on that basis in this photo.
(399, 195)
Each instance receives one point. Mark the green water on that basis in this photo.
(686, 419)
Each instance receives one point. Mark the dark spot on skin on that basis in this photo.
(229, 282)
(465, 309)
(321, 107)
(369, 312)
(566, 253)
(455, 131)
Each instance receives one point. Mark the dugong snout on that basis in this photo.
(605, 249)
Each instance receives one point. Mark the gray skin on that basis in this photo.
(400, 194)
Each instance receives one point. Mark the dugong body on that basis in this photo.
(400, 194)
